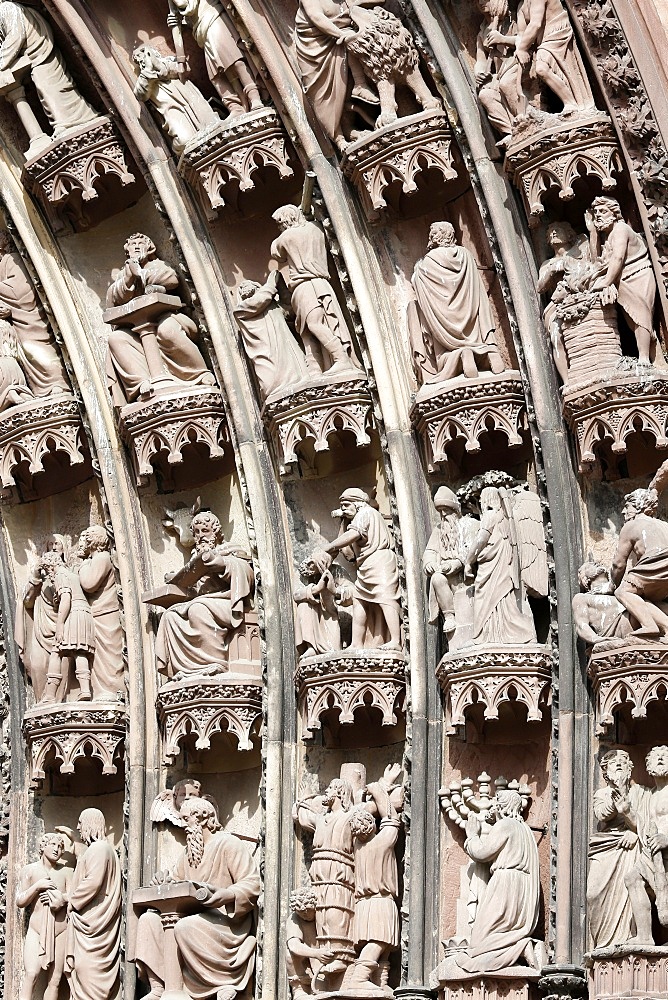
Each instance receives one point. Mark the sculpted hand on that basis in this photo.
(345, 37)
(657, 842)
(160, 878)
(390, 775)
(629, 840)
(495, 38)
(59, 635)
(429, 568)
(472, 825)
(589, 221)
(522, 57)
(622, 804)
(321, 560)
(468, 572)
(609, 295)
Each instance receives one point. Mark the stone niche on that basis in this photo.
(627, 674)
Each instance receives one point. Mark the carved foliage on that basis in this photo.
(629, 673)
(34, 429)
(71, 731)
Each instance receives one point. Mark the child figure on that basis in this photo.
(75, 631)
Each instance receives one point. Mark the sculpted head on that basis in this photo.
(595, 578)
(441, 234)
(560, 235)
(139, 247)
(200, 813)
(185, 789)
(616, 767)
(640, 502)
(341, 790)
(606, 212)
(508, 803)
(51, 846)
(490, 499)
(288, 217)
(303, 902)
(246, 289)
(494, 8)
(351, 500)
(93, 539)
(362, 824)
(656, 762)
(446, 502)
(207, 530)
(92, 826)
(49, 564)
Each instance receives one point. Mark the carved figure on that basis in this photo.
(510, 555)
(26, 35)
(35, 630)
(571, 261)
(93, 959)
(614, 850)
(74, 638)
(216, 946)
(98, 581)
(301, 253)
(225, 64)
(376, 927)
(625, 271)
(36, 353)
(444, 556)
(304, 957)
(597, 614)
(640, 567)
(127, 368)
(495, 68)
(13, 386)
(273, 351)
(166, 806)
(366, 540)
(44, 885)
(450, 325)
(507, 913)
(317, 628)
(182, 108)
(193, 633)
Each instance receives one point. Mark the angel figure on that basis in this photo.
(510, 559)
(166, 806)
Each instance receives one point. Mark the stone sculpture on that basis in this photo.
(44, 885)
(74, 639)
(272, 350)
(445, 554)
(166, 806)
(496, 68)
(304, 958)
(598, 615)
(614, 851)
(194, 632)
(130, 367)
(366, 540)
(98, 582)
(225, 65)
(13, 386)
(301, 253)
(36, 353)
(450, 324)
(509, 556)
(93, 959)
(181, 106)
(36, 617)
(317, 628)
(640, 567)
(216, 945)
(569, 268)
(26, 44)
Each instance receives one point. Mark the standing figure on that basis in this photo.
(75, 632)
(93, 961)
(127, 368)
(443, 559)
(614, 850)
(36, 352)
(509, 555)
(215, 946)
(572, 260)
(183, 109)
(225, 64)
(627, 276)
(44, 885)
(317, 628)
(37, 617)
(450, 326)
(304, 958)
(495, 67)
(13, 386)
(365, 540)
(640, 567)
(271, 348)
(301, 252)
(98, 581)
(25, 34)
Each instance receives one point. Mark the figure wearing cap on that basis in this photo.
(366, 541)
(443, 560)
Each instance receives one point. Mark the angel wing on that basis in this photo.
(163, 811)
(528, 519)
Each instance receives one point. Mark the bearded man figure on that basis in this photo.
(640, 567)
(648, 879)
(98, 582)
(216, 947)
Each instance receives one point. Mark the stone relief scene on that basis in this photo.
(333, 507)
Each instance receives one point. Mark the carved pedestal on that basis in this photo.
(398, 152)
(606, 410)
(232, 151)
(172, 900)
(627, 671)
(315, 411)
(492, 675)
(518, 983)
(68, 171)
(71, 730)
(34, 429)
(625, 972)
(465, 408)
(556, 150)
(348, 680)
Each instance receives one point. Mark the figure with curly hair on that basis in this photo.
(640, 566)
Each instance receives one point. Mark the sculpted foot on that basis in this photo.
(364, 94)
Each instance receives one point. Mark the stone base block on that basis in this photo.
(168, 422)
(504, 986)
(628, 973)
(606, 410)
(464, 408)
(71, 730)
(315, 411)
(626, 671)
(492, 675)
(550, 151)
(68, 172)
(398, 152)
(351, 679)
(232, 151)
(34, 429)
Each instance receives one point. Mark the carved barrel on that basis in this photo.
(591, 336)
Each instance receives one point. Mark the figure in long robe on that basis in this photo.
(35, 628)
(98, 581)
